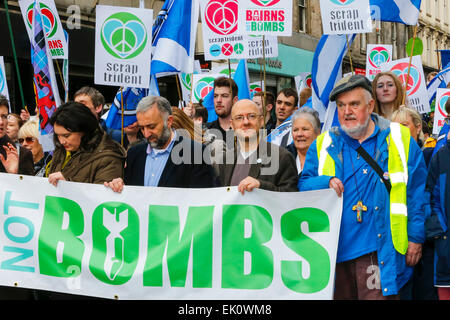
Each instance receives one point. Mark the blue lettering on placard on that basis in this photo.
(10, 264)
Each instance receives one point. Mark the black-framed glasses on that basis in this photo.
(27, 140)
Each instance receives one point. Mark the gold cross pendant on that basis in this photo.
(359, 208)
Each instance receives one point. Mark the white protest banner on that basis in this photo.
(265, 17)
(54, 33)
(222, 68)
(186, 85)
(416, 87)
(202, 84)
(3, 83)
(123, 46)
(442, 95)
(168, 243)
(345, 16)
(221, 39)
(303, 80)
(377, 54)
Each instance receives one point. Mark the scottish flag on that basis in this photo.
(445, 57)
(401, 11)
(325, 72)
(174, 33)
(131, 97)
(439, 81)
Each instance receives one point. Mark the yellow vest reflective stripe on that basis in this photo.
(398, 142)
(398, 148)
(326, 162)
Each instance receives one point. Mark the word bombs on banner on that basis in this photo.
(167, 243)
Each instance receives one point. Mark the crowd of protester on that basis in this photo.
(275, 143)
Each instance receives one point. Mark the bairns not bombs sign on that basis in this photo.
(167, 243)
(53, 30)
(345, 16)
(123, 46)
(265, 17)
(221, 39)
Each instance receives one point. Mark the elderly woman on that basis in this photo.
(305, 129)
(388, 92)
(83, 151)
(410, 118)
(29, 139)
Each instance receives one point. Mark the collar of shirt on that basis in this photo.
(153, 152)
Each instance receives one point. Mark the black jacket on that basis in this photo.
(187, 174)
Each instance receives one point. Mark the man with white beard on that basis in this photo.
(379, 170)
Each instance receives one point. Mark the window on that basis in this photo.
(302, 15)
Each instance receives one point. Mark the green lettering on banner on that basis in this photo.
(115, 242)
(316, 255)
(62, 223)
(164, 231)
(235, 243)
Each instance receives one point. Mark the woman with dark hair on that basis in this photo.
(83, 151)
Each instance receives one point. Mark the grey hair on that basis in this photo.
(310, 114)
(162, 103)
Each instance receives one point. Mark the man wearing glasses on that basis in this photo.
(253, 162)
(12, 161)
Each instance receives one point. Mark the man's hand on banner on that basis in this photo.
(11, 163)
(337, 186)
(248, 184)
(116, 185)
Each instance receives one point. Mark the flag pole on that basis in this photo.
(19, 80)
(349, 51)
(121, 106)
(264, 84)
(60, 75)
(409, 65)
(178, 89)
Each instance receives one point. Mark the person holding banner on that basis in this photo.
(167, 159)
(257, 163)
(388, 92)
(83, 151)
(379, 170)
(13, 160)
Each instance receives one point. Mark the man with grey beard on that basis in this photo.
(379, 170)
(168, 158)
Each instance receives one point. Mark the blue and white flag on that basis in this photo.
(131, 97)
(439, 81)
(325, 72)
(401, 11)
(281, 135)
(445, 57)
(174, 33)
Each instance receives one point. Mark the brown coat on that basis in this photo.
(103, 164)
(281, 177)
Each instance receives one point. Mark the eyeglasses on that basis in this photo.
(27, 140)
(250, 117)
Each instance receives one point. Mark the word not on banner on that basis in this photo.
(167, 243)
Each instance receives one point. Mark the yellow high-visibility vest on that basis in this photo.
(398, 148)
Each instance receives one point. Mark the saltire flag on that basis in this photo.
(326, 70)
(445, 57)
(401, 11)
(131, 97)
(174, 33)
(47, 96)
(439, 81)
(241, 78)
